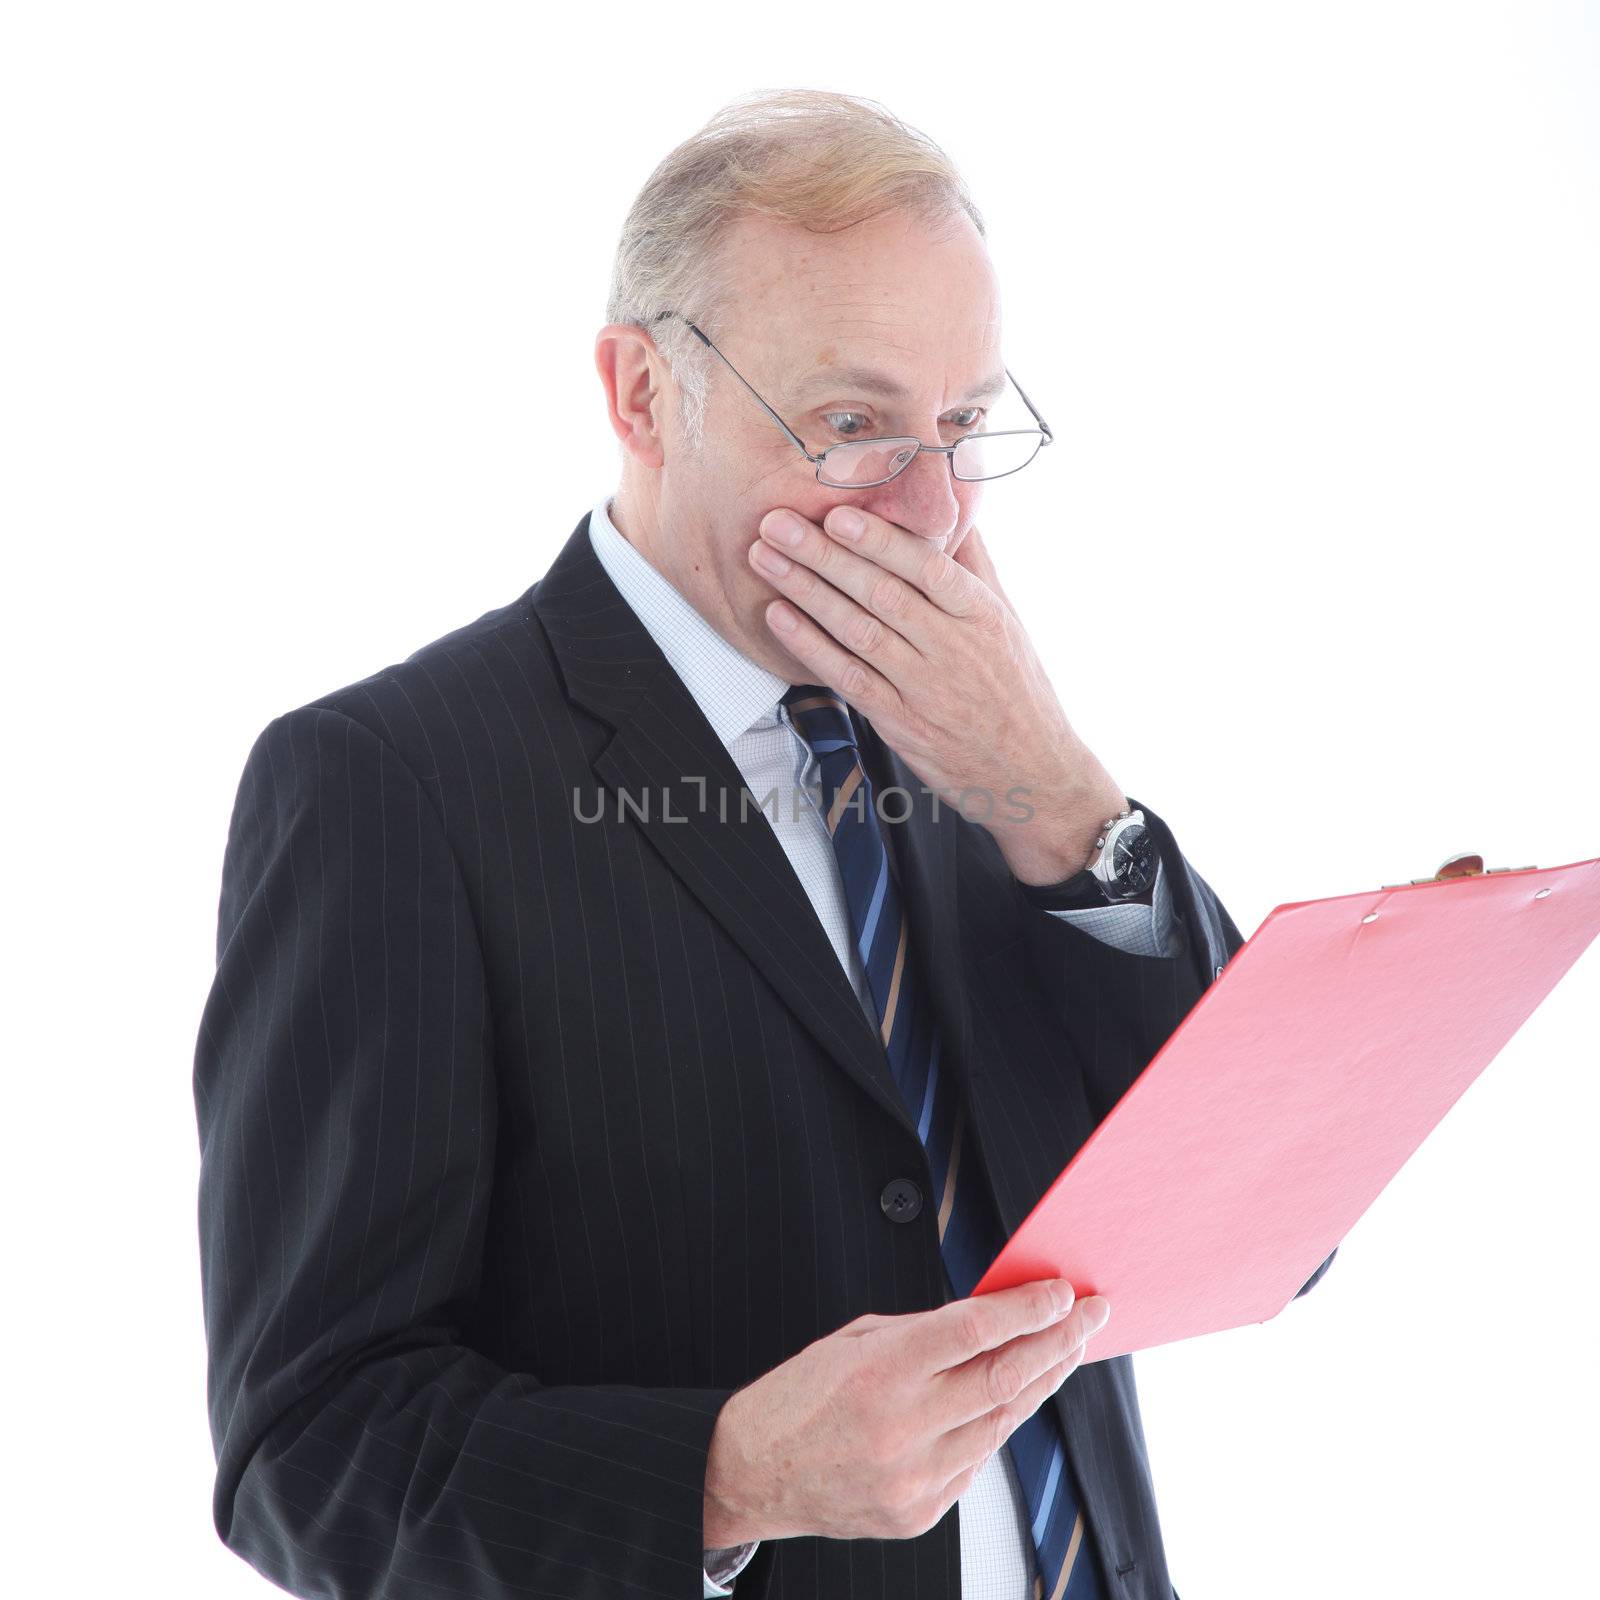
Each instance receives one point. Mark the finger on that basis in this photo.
(908, 555)
(998, 1376)
(895, 601)
(868, 637)
(962, 1451)
(830, 664)
(973, 554)
(951, 1335)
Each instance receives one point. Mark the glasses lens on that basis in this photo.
(850, 466)
(993, 455)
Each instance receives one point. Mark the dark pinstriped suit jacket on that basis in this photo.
(527, 1140)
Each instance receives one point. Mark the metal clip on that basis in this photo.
(1465, 865)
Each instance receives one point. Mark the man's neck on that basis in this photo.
(636, 524)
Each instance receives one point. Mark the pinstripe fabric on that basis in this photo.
(740, 699)
(969, 1240)
(532, 1125)
(772, 758)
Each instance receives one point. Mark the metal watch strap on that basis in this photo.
(1083, 890)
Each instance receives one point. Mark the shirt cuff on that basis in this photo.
(1133, 926)
(726, 1563)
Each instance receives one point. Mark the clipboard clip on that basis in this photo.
(1465, 865)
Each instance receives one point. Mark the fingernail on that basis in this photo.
(784, 527)
(1096, 1312)
(1064, 1296)
(846, 522)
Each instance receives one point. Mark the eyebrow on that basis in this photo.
(869, 380)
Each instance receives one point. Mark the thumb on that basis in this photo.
(973, 554)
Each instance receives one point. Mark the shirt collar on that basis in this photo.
(731, 690)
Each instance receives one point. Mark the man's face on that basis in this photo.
(815, 316)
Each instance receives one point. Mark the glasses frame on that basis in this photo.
(946, 450)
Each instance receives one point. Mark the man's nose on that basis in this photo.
(921, 500)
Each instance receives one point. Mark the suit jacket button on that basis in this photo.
(901, 1200)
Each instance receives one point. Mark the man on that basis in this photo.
(596, 1162)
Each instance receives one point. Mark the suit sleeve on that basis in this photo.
(344, 1087)
(1179, 945)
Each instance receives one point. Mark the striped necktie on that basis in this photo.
(969, 1229)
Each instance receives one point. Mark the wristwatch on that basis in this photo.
(1123, 865)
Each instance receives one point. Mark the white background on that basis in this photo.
(297, 375)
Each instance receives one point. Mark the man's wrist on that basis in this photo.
(728, 1517)
(1056, 842)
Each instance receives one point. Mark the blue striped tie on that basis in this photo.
(969, 1229)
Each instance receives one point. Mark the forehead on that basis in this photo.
(889, 308)
(823, 376)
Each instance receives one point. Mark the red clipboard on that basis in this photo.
(1298, 1085)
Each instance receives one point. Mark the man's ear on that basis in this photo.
(632, 372)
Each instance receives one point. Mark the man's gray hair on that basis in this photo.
(825, 161)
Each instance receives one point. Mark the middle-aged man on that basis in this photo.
(642, 1013)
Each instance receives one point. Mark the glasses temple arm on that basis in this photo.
(1044, 427)
(798, 442)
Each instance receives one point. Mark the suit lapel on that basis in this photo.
(674, 780)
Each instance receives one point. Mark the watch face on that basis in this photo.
(1133, 861)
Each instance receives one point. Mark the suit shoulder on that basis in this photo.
(439, 699)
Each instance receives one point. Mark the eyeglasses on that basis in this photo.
(865, 463)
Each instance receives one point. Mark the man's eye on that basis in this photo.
(845, 432)
(857, 425)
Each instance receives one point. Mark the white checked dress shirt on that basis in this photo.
(740, 699)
